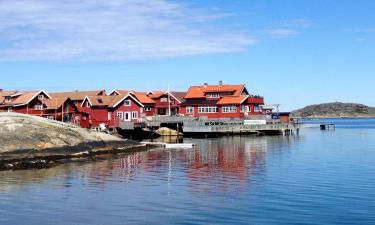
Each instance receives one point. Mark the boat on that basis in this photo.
(180, 145)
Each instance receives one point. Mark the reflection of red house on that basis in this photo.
(221, 101)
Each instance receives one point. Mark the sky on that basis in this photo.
(294, 53)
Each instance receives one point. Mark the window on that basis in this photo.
(128, 103)
(164, 99)
(87, 104)
(257, 108)
(38, 107)
(109, 116)
(190, 110)
(207, 109)
(147, 108)
(213, 95)
(10, 109)
(40, 97)
(120, 115)
(8, 99)
(134, 115)
(229, 109)
(244, 108)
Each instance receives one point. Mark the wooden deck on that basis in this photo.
(191, 125)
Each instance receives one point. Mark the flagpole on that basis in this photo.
(169, 103)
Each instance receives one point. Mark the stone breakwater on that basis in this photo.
(35, 142)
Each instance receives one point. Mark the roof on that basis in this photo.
(104, 100)
(179, 95)
(75, 95)
(3, 94)
(108, 100)
(156, 94)
(226, 100)
(26, 97)
(120, 92)
(199, 91)
(56, 103)
(143, 98)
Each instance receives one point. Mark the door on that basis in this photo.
(127, 116)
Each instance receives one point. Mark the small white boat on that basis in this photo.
(181, 145)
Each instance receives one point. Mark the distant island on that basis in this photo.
(335, 110)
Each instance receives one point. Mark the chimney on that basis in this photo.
(205, 84)
(220, 82)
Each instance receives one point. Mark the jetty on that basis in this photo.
(327, 126)
(202, 126)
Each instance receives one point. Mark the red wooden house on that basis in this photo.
(142, 97)
(110, 110)
(221, 101)
(77, 96)
(40, 103)
(165, 101)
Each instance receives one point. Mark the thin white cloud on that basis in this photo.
(289, 28)
(281, 32)
(299, 23)
(112, 30)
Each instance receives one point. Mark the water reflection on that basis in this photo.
(221, 164)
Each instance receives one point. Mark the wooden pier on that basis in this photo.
(327, 126)
(191, 126)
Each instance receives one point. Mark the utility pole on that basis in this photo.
(169, 103)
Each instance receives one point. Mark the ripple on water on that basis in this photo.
(316, 178)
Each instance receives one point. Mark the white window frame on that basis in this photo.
(135, 115)
(38, 107)
(41, 97)
(120, 115)
(245, 108)
(164, 99)
(229, 109)
(208, 109)
(10, 109)
(213, 95)
(190, 110)
(148, 109)
(127, 102)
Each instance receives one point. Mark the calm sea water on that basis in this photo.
(318, 177)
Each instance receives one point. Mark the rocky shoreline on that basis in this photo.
(33, 142)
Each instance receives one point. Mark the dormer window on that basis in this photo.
(8, 99)
(213, 95)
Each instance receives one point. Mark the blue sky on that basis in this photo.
(292, 52)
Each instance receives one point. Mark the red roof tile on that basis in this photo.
(199, 91)
(227, 100)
